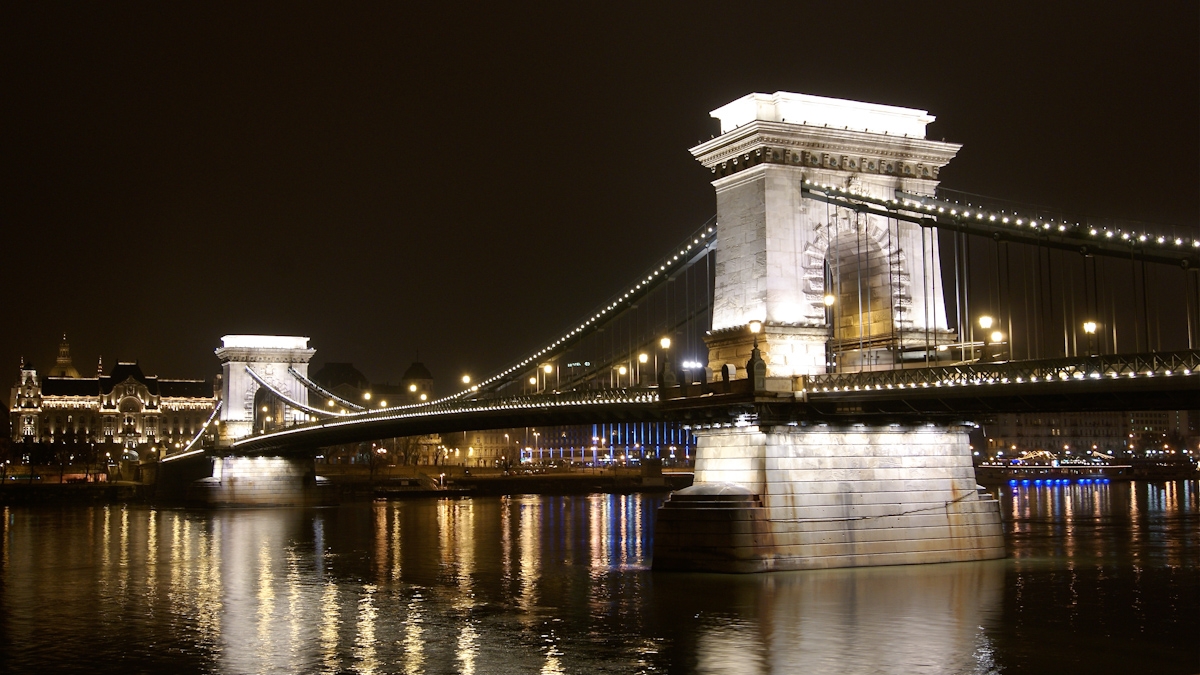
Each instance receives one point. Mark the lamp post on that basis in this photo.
(666, 374)
(985, 322)
(756, 368)
(830, 353)
(641, 360)
(1089, 327)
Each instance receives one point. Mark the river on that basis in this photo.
(1099, 579)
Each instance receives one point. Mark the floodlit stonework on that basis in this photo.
(812, 497)
(779, 252)
(270, 357)
(825, 287)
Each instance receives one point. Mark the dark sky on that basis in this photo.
(466, 184)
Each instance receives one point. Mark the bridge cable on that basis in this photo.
(313, 386)
(187, 449)
(285, 398)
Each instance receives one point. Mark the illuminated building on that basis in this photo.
(125, 407)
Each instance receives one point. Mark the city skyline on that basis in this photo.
(397, 192)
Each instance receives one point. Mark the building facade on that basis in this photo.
(125, 407)
(1113, 434)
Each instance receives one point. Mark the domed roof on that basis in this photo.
(63, 366)
(417, 371)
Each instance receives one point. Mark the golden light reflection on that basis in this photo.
(379, 515)
(265, 593)
(207, 593)
(530, 566)
(151, 575)
(506, 504)
(468, 648)
(364, 642)
(331, 621)
(123, 556)
(295, 601)
(553, 665)
(414, 642)
(394, 514)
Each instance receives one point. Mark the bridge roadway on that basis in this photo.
(1155, 381)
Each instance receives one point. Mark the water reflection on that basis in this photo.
(893, 619)
(530, 584)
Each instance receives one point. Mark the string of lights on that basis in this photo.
(1158, 364)
(187, 450)
(688, 251)
(314, 387)
(945, 212)
(638, 397)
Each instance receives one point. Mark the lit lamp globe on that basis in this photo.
(665, 343)
(547, 369)
(1089, 327)
(829, 300)
(985, 322)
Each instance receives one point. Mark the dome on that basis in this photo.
(63, 366)
(417, 371)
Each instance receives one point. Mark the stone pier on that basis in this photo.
(791, 497)
(262, 481)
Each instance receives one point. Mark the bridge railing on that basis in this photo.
(632, 396)
(1153, 364)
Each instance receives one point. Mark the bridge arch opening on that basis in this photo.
(269, 411)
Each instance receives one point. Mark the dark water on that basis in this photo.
(1101, 579)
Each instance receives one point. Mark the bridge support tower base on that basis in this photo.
(789, 497)
(263, 481)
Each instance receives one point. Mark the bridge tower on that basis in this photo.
(772, 493)
(243, 399)
(249, 407)
(828, 284)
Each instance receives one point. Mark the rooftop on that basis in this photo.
(783, 106)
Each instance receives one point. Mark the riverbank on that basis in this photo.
(358, 483)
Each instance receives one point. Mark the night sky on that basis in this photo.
(464, 185)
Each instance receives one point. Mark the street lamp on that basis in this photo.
(985, 322)
(466, 379)
(642, 359)
(666, 376)
(1089, 327)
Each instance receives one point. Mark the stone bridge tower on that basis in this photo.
(270, 357)
(775, 494)
(828, 284)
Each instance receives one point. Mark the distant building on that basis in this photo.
(125, 407)
(1012, 435)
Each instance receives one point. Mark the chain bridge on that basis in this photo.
(830, 337)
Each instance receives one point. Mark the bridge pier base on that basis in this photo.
(786, 498)
(262, 481)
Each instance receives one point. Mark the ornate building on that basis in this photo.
(125, 407)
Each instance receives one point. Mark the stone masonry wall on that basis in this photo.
(856, 496)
